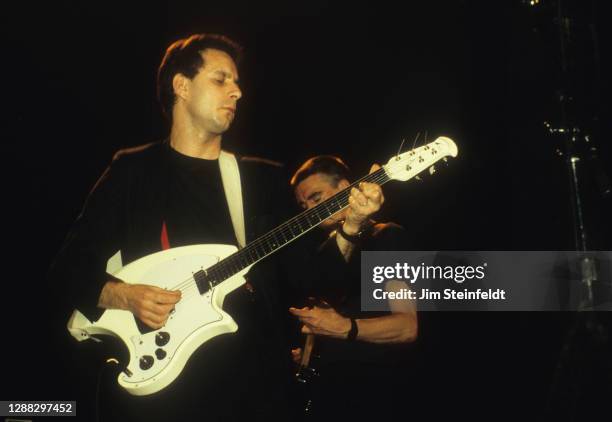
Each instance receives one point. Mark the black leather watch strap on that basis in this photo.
(352, 334)
(353, 238)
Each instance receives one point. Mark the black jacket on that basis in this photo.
(125, 211)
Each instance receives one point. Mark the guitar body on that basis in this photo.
(158, 357)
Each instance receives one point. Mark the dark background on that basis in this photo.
(351, 79)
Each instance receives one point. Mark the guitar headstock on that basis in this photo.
(408, 164)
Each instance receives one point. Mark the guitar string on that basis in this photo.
(189, 283)
(383, 172)
(376, 176)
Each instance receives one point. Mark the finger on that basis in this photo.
(369, 187)
(152, 324)
(304, 312)
(373, 193)
(167, 297)
(161, 310)
(170, 293)
(152, 317)
(374, 168)
(155, 294)
(359, 197)
(164, 291)
(157, 318)
(307, 319)
(307, 330)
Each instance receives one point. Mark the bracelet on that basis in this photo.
(352, 334)
(353, 238)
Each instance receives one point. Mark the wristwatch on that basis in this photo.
(354, 331)
(353, 238)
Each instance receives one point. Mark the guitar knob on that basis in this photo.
(146, 362)
(160, 354)
(162, 338)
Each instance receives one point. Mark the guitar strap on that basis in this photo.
(230, 176)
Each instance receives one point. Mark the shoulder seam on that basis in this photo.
(261, 160)
(132, 150)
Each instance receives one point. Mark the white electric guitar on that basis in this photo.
(205, 274)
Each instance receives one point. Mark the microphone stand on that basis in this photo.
(587, 335)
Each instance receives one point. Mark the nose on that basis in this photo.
(235, 92)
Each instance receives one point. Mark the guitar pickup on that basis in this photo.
(202, 281)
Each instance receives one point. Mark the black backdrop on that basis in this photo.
(350, 79)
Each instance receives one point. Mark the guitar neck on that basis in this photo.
(281, 236)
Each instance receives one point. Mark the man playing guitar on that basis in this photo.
(357, 348)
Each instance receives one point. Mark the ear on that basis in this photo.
(180, 84)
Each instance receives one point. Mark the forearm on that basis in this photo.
(81, 277)
(394, 328)
(345, 246)
(151, 304)
(113, 295)
(398, 327)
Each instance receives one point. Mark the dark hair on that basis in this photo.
(331, 166)
(185, 57)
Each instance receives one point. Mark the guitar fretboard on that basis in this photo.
(282, 235)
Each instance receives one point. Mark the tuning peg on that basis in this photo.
(418, 178)
(432, 169)
(445, 160)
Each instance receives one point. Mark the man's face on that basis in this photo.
(317, 188)
(213, 93)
